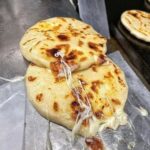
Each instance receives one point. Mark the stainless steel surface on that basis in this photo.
(94, 13)
(15, 17)
(12, 115)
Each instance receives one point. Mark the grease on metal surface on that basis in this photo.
(15, 79)
(142, 111)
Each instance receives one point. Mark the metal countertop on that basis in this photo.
(15, 17)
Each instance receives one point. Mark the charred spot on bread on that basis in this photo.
(63, 37)
(56, 67)
(86, 27)
(98, 114)
(94, 67)
(94, 143)
(80, 53)
(93, 46)
(134, 14)
(95, 86)
(32, 64)
(75, 33)
(52, 51)
(108, 75)
(90, 95)
(39, 97)
(64, 47)
(55, 106)
(74, 115)
(28, 41)
(121, 81)
(74, 104)
(83, 37)
(128, 21)
(83, 82)
(83, 59)
(71, 55)
(80, 43)
(67, 95)
(91, 53)
(63, 19)
(72, 63)
(31, 78)
(76, 109)
(117, 71)
(55, 28)
(59, 79)
(85, 122)
(116, 101)
(101, 45)
(102, 59)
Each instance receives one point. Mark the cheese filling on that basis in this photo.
(119, 118)
(87, 111)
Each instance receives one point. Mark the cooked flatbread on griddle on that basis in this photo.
(81, 44)
(102, 91)
(137, 23)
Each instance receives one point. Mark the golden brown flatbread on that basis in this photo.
(137, 23)
(81, 44)
(99, 93)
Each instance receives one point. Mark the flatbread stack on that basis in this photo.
(135, 25)
(70, 80)
(80, 43)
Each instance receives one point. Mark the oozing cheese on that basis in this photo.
(119, 117)
(86, 107)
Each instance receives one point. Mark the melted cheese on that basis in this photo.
(119, 118)
(87, 108)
